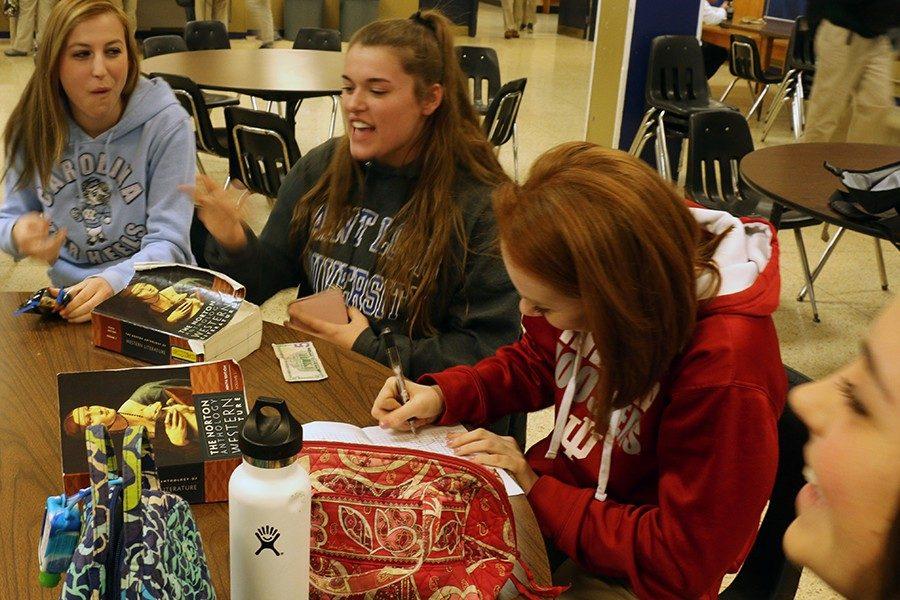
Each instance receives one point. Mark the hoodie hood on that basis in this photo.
(149, 98)
(746, 259)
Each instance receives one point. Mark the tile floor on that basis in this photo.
(553, 111)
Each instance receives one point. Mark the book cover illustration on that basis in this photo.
(176, 299)
(193, 414)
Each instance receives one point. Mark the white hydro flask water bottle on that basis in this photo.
(269, 507)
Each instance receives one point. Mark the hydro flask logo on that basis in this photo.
(267, 536)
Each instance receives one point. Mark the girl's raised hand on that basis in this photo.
(220, 211)
(31, 235)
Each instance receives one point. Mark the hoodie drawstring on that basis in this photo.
(606, 457)
(565, 405)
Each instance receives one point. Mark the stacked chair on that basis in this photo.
(498, 104)
(800, 67)
(676, 89)
(261, 149)
(210, 140)
(744, 63)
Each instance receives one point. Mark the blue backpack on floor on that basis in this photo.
(137, 541)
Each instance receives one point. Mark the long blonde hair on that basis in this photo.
(451, 142)
(37, 132)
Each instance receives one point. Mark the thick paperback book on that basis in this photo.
(193, 414)
(172, 314)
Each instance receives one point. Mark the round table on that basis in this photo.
(279, 74)
(792, 176)
(35, 349)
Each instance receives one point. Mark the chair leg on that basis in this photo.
(200, 166)
(781, 96)
(515, 144)
(253, 103)
(227, 182)
(682, 164)
(637, 144)
(825, 256)
(809, 279)
(334, 108)
(663, 166)
(797, 108)
(757, 104)
(750, 87)
(728, 89)
(881, 270)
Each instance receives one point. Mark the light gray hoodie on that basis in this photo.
(116, 194)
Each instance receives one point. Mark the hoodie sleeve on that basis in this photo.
(481, 316)
(271, 262)
(715, 476)
(519, 377)
(17, 203)
(169, 211)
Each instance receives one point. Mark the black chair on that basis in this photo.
(163, 44)
(799, 69)
(718, 140)
(744, 63)
(314, 38)
(211, 140)
(500, 121)
(262, 149)
(482, 69)
(676, 88)
(206, 35)
(767, 574)
(167, 44)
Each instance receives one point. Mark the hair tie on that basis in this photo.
(418, 18)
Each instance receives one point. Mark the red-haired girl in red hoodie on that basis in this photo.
(648, 326)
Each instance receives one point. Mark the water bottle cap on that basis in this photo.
(270, 432)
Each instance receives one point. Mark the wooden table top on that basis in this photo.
(773, 28)
(34, 350)
(298, 73)
(793, 176)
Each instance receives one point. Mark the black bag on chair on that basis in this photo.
(875, 191)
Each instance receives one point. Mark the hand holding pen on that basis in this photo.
(402, 404)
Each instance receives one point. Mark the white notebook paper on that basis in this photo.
(428, 439)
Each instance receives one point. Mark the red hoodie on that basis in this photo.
(677, 501)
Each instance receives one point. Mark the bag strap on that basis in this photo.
(374, 579)
(531, 589)
(101, 457)
(138, 474)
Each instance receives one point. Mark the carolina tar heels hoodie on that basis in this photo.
(117, 194)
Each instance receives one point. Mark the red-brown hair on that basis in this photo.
(602, 226)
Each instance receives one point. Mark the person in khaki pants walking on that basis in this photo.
(213, 10)
(26, 28)
(518, 15)
(853, 69)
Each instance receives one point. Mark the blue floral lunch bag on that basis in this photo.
(137, 541)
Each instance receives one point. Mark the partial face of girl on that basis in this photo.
(384, 115)
(853, 465)
(539, 299)
(93, 68)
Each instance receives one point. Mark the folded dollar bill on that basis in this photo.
(299, 361)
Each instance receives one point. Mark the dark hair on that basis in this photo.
(451, 142)
(601, 226)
